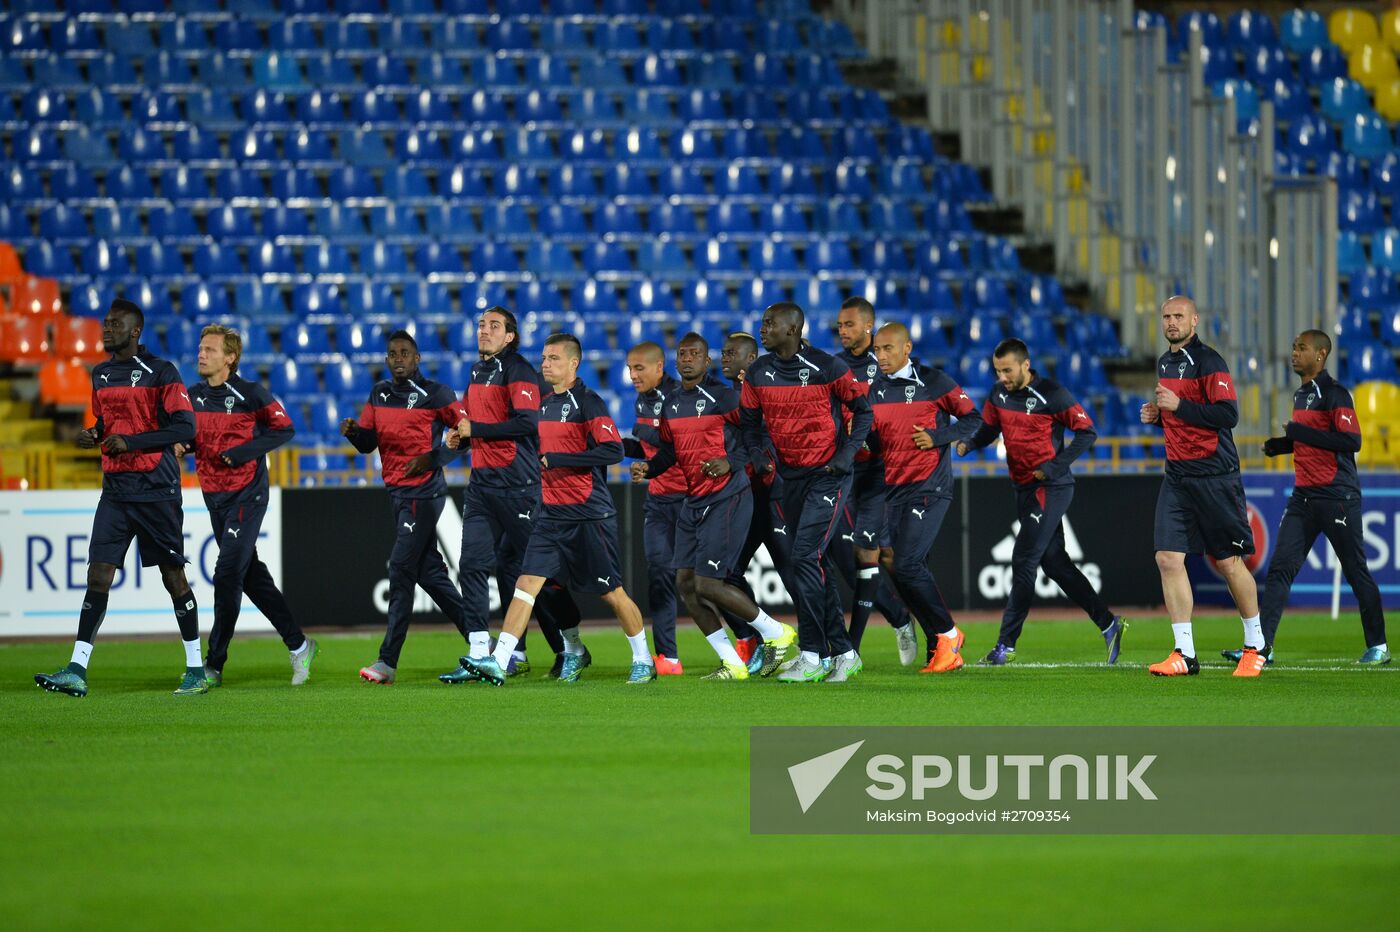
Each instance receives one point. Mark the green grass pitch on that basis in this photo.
(342, 804)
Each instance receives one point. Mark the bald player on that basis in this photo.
(1201, 506)
(646, 367)
(861, 535)
(919, 411)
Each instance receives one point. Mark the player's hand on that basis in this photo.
(464, 429)
(544, 461)
(639, 471)
(1040, 476)
(453, 440)
(348, 426)
(227, 460)
(114, 445)
(1276, 446)
(719, 466)
(180, 449)
(1286, 425)
(1167, 400)
(420, 464)
(961, 447)
(921, 438)
(1150, 414)
(87, 439)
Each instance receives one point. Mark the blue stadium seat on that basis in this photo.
(1385, 251)
(287, 379)
(70, 183)
(367, 298)
(759, 293)
(782, 218)
(681, 181)
(383, 261)
(831, 255)
(365, 148)
(154, 261)
(492, 257)
(103, 259)
(352, 182)
(1367, 136)
(739, 180)
(1309, 138)
(704, 297)
(624, 181)
(718, 257)
(1248, 30)
(407, 184)
(438, 259)
(842, 217)
(1301, 31)
(729, 218)
(1351, 257)
(1360, 212)
(1321, 64)
(570, 181)
(884, 256)
(1385, 176)
(1246, 101)
(538, 296)
(267, 259)
(1347, 169)
(648, 297)
(774, 257)
(62, 223)
(655, 71)
(1206, 23)
(326, 261)
(426, 299)
(443, 221)
(316, 299)
(1372, 288)
(1218, 63)
(563, 221)
(282, 221)
(204, 300)
(1342, 99)
(593, 298)
(1369, 361)
(506, 219)
(1290, 98)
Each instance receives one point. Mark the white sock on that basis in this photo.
(573, 644)
(302, 649)
(720, 642)
(850, 654)
(951, 633)
(1181, 630)
(1380, 646)
(810, 656)
(504, 645)
(1253, 633)
(479, 644)
(766, 626)
(192, 655)
(519, 655)
(641, 653)
(82, 653)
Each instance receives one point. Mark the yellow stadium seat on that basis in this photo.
(1373, 65)
(1388, 100)
(1378, 410)
(1390, 29)
(1351, 29)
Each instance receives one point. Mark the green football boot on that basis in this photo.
(193, 683)
(69, 681)
(641, 673)
(1375, 656)
(485, 669)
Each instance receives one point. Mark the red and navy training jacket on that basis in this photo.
(1199, 442)
(142, 400)
(579, 441)
(864, 369)
(1032, 420)
(699, 424)
(241, 420)
(404, 421)
(503, 403)
(800, 400)
(670, 485)
(919, 396)
(1324, 438)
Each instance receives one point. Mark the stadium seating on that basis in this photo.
(324, 176)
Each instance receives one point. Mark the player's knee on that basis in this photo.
(709, 589)
(100, 576)
(1169, 561)
(174, 579)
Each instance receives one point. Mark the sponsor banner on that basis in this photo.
(1108, 535)
(1060, 781)
(1266, 497)
(43, 567)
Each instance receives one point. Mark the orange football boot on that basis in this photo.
(745, 647)
(947, 655)
(1176, 664)
(665, 666)
(1251, 662)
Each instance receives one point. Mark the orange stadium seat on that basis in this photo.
(66, 384)
(78, 338)
(24, 341)
(36, 296)
(10, 268)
